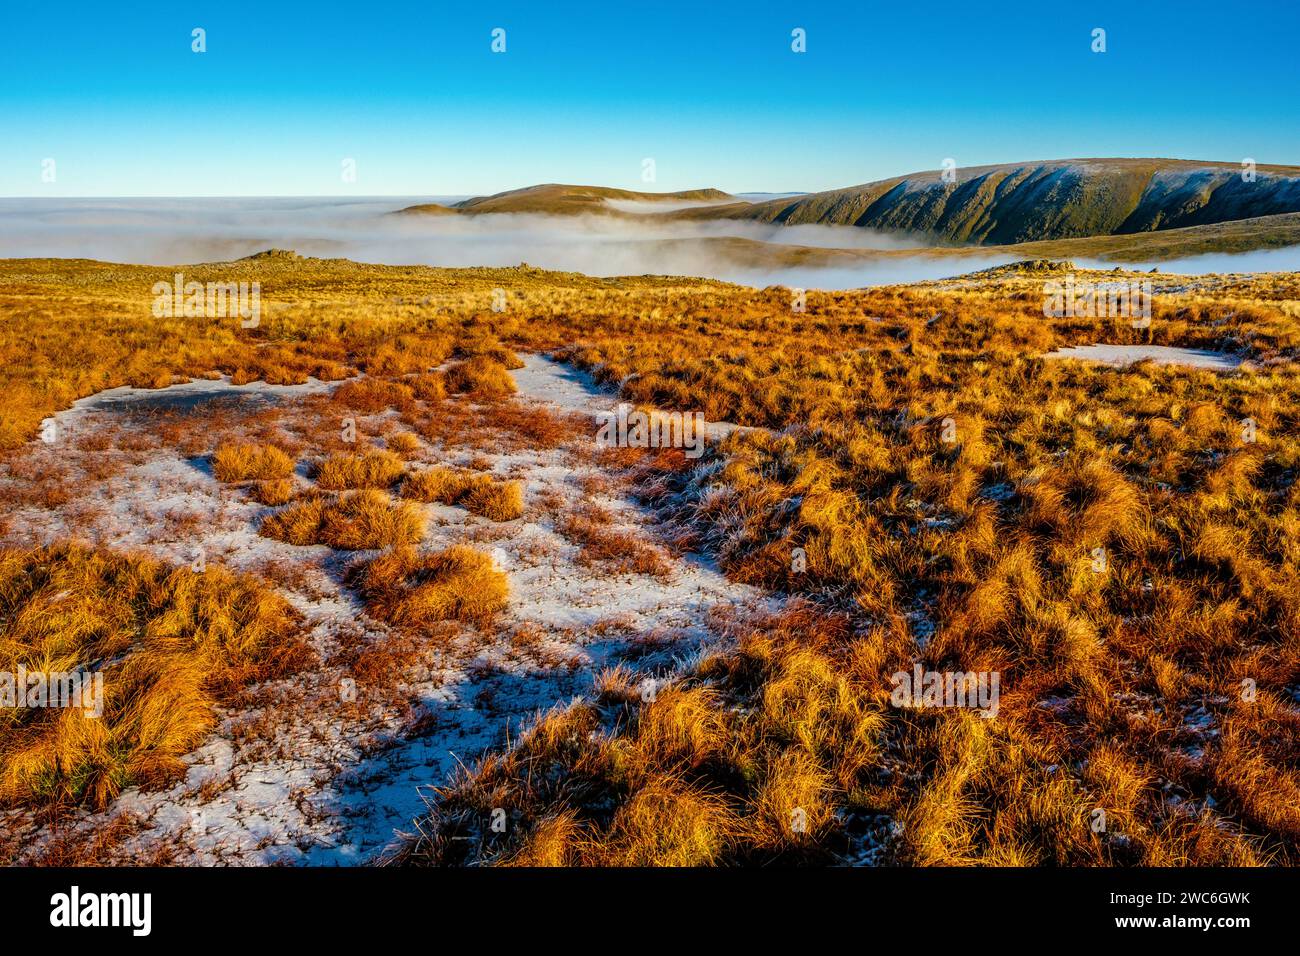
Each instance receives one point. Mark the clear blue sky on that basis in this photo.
(585, 91)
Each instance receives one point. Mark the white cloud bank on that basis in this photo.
(183, 231)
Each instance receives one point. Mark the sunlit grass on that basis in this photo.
(1109, 541)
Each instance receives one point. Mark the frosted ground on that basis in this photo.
(313, 778)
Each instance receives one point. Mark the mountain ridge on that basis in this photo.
(1009, 203)
(994, 205)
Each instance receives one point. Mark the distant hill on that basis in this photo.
(560, 199)
(429, 209)
(1024, 202)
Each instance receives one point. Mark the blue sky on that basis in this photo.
(585, 91)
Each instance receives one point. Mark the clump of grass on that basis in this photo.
(482, 495)
(439, 483)
(275, 492)
(376, 469)
(410, 589)
(357, 520)
(430, 387)
(250, 462)
(669, 823)
(489, 346)
(373, 395)
(299, 524)
(403, 443)
(404, 354)
(496, 500)
(370, 519)
(176, 643)
(482, 377)
(1086, 503)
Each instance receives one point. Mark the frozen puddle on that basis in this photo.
(186, 396)
(332, 782)
(1121, 355)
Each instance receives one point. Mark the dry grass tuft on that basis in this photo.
(372, 395)
(240, 462)
(482, 495)
(495, 500)
(668, 823)
(357, 520)
(482, 377)
(410, 589)
(685, 778)
(430, 388)
(1086, 504)
(275, 492)
(170, 644)
(403, 443)
(376, 469)
(441, 484)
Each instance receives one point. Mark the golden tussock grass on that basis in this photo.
(439, 483)
(276, 492)
(481, 377)
(176, 643)
(403, 443)
(406, 354)
(412, 589)
(375, 469)
(680, 777)
(247, 462)
(429, 388)
(1108, 540)
(495, 500)
(373, 395)
(486, 345)
(356, 520)
(1085, 504)
(478, 494)
(668, 823)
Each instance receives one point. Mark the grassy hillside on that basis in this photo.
(947, 492)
